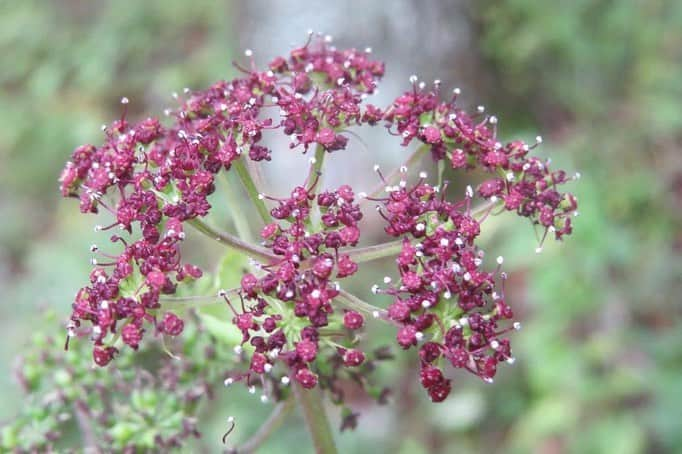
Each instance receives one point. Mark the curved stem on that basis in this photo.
(251, 189)
(316, 419)
(275, 419)
(377, 251)
(232, 241)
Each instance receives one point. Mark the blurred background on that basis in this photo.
(599, 361)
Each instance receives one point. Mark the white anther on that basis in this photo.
(495, 296)
(467, 276)
(124, 100)
(267, 367)
(174, 95)
(368, 50)
(436, 82)
(252, 389)
(478, 262)
(376, 167)
(426, 304)
(538, 139)
(419, 335)
(98, 228)
(422, 85)
(328, 38)
(312, 160)
(447, 295)
(511, 360)
(248, 53)
(94, 248)
(238, 349)
(222, 292)
(285, 380)
(413, 78)
(494, 344)
(510, 176)
(375, 314)
(538, 250)
(493, 121)
(469, 191)
(274, 354)
(493, 199)
(480, 109)
(500, 260)
(577, 176)
(104, 305)
(459, 242)
(228, 381)
(230, 419)
(464, 321)
(315, 293)
(375, 289)
(264, 398)
(403, 169)
(456, 91)
(444, 242)
(289, 294)
(452, 117)
(456, 268)
(387, 279)
(402, 183)
(488, 380)
(420, 227)
(93, 261)
(517, 326)
(423, 174)
(340, 81)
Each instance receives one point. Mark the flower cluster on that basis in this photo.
(292, 299)
(155, 179)
(444, 299)
(525, 184)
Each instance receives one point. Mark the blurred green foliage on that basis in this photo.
(600, 355)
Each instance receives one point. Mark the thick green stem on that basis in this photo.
(251, 189)
(316, 165)
(232, 241)
(353, 302)
(315, 418)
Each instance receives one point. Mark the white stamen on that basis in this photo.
(538, 139)
(267, 367)
(517, 326)
(375, 289)
(480, 109)
(493, 121)
(124, 100)
(238, 349)
(538, 250)
(469, 191)
(264, 398)
(387, 279)
(228, 381)
(423, 174)
(494, 344)
(456, 91)
(375, 314)
(500, 260)
(419, 335)
(413, 78)
(426, 304)
(420, 227)
(511, 360)
(252, 389)
(444, 242)
(248, 53)
(285, 380)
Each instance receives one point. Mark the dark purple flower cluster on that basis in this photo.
(444, 300)
(154, 180)
(524, 183)
(292, 299)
